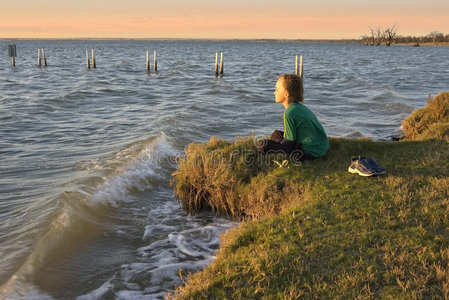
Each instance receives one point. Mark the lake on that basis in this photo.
(86, 156)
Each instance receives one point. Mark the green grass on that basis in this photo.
(314, 230)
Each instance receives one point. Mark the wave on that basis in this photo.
(82, 211)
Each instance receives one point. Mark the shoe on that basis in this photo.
(365, 166)
(360, 166)
(373, 163)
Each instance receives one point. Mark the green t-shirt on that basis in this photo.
(301, 125)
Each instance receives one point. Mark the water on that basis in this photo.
(86, 206)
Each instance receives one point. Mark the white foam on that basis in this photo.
(157, 272)
(150, 229)
(98, 293)
(128, 271)
(186, 245)
(138, 295)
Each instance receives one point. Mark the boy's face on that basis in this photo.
(280, 94)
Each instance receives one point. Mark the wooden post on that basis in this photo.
(43, 57)
(148, 63)
(39, 64)
(298, 68)
(12, 53)
(216, 64)
(94, 65)
(155, 62)
(87, 60)
(221, 63)
(296, 65)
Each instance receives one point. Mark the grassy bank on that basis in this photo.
(435, 44)
(424, 44)
(431, 121)
(317, 231)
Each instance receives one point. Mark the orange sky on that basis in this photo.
(290, 19)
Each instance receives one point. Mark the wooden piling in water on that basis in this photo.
(216, 64)
(298, 68)
(296, 65)
(43, 57)
(221, 63)
(148, 63)
(155, 62)
(12, 53)
(39, 64)
(87, 60)
(94, 65)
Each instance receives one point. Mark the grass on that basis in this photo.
(435, 44)
(313, 230)
(231, 178)
(431, 121)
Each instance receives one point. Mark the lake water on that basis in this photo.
(86, 156)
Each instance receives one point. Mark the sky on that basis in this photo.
(211, 19)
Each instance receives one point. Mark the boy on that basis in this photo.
(303, 135)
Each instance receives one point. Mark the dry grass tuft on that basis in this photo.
(431, 121)
(230, 177)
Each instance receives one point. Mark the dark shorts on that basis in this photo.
(277, 144)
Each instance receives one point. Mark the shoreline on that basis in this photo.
(305, 41)
(313, 229)
(343, 41)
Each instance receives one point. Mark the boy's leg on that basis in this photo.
(287, 147)
(269, 146)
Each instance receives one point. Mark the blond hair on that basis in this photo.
(293, 84)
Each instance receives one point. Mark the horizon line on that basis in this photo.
(183, 38)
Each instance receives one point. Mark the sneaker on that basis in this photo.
(373, 163)
(360, 166)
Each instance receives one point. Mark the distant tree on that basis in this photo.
(389, 34)
(436, 37)
(365, 39)
(380, 36)
(373, 35)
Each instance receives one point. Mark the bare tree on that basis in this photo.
(380, 36)
(373, 35)
(436, 36)
(365, 40)
(389, 34)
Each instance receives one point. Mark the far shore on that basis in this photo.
(329, 41)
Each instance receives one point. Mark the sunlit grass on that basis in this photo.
(431, 121)
(315, 230)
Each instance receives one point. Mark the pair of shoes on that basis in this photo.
(365, 167)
